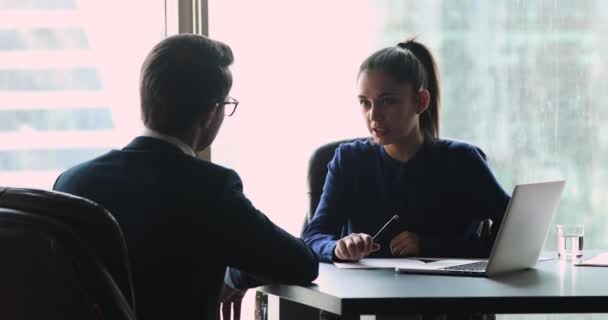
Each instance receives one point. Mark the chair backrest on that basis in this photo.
(317, 172)
(67, 258)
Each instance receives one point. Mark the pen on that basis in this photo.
(394, 218)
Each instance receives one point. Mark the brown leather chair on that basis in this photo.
(61, 257)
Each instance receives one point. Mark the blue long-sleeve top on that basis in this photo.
(441, 194)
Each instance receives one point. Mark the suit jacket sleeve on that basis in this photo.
(249, 241)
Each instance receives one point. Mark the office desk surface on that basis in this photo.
(552, 287)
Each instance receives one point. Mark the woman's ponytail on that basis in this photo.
(429, 120)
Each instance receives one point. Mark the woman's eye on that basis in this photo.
(390, 100)
(364, 103)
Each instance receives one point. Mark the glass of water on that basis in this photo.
(570, 241)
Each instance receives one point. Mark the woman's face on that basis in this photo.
(390, 109)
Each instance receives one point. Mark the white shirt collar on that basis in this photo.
(172, 140)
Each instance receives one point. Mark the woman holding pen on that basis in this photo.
(440, 189)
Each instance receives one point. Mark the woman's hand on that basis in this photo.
(355, 247)
(405, 244)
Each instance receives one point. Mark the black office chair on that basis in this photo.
(63, 257)
(317, 172)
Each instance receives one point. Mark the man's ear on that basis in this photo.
(207, 116)
(424, 98)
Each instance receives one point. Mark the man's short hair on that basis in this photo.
(181, 76)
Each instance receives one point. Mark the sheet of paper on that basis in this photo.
(378, 263)
(600, 260)
(392, 263)
(410, 263)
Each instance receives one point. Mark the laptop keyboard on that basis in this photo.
(474, 267)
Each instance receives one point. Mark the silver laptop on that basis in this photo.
(520, 238)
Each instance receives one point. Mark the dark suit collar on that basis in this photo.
(142, 143)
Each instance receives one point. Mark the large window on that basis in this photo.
(524, 80)
(69, 81)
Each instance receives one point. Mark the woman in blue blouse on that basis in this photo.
(441, 189)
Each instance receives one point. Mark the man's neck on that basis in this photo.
(187, 149)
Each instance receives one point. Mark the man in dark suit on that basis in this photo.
(185, 219)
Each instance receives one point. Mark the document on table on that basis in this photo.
(410, 263)
(600, 260)
(392, 263)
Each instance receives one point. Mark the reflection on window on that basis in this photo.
(37, 4)
(69, 82)
(56, 120)
(525, 80)
(43, 39)
(34, 80)
(41, 160)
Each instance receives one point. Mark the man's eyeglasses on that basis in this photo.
(230, 105)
